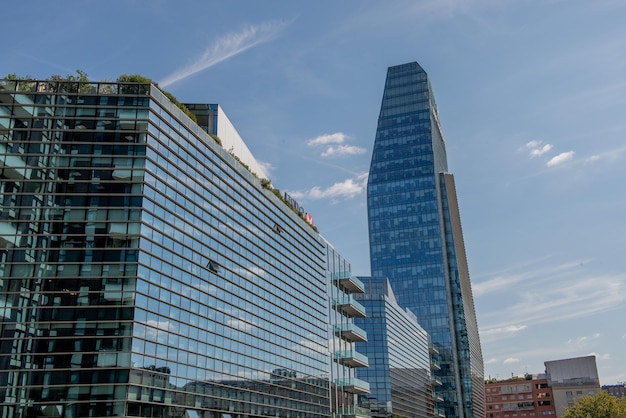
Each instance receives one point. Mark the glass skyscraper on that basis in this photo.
(415, 235)
(144, 271)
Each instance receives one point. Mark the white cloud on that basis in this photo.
(535, 148)
(491, 361)
(226, 47)
(540, 151)
(581, 341)
(334, 151)
(346, 189)
(560, 159)
(336, 138)
(511, 360)
(533, 144)
(267, 167)
(343, 150)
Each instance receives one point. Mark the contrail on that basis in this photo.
(226, 47)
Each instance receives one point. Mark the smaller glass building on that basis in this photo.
(397, 347)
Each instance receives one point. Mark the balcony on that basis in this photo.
(351, 358)
(353, 385)
(350, 307)
(434, 364)
(353, 412)
(350, 333)
(436, 381)
(432, 349)
(349, 282)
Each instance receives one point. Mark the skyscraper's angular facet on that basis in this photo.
(415, 234)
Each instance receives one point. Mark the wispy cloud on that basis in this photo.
(610, 155)
(503, 280)
(583, 339)
(560, 159)
(335, 151)
(346, 189)
(589, 293)
(504, 331)
(511, 360)
(226, 47)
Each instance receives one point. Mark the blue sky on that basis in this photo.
(531, 96)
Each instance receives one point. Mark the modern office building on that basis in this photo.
(572, 379)
(144, 271)
(398, 351)
(416, 238)
(517, 397)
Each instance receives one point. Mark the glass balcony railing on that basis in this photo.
(351, 358)
(350, 333)
(349, 282)
(353, 385)
(348, 306)
(353, 412)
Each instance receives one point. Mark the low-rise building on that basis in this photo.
(619, 390)
(528, 396)
(572, 379)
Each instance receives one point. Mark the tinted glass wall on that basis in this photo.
(143, 270)
(415, 235)
(398, 351)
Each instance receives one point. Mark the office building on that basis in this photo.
(398, 351)
(528, 396)
(144, 271)
(415, 234)
(572, 379)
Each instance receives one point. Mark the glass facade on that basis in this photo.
(415, 234)
(144, 271)
(398, 351)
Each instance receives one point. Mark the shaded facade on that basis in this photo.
(530, 396)
(398, 350)
(144, 271)
(415, 234)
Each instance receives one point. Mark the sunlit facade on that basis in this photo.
(415, 234)
(144, 271)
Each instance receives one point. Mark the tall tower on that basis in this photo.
(415, 235)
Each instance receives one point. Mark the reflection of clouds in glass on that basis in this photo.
(254, 374)
(154, 326)
(311, 347)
